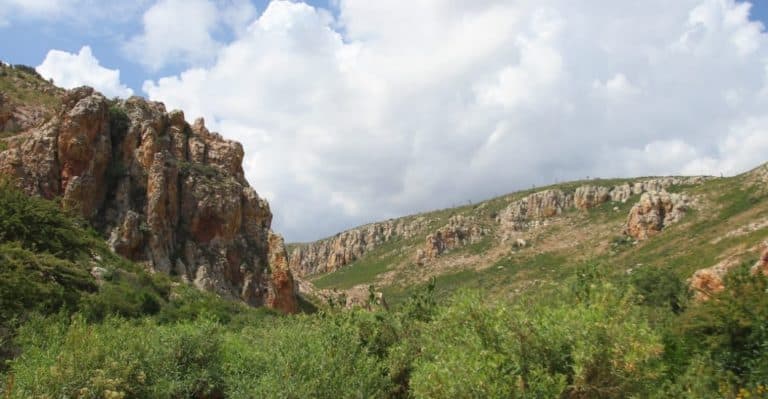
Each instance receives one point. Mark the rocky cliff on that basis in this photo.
(162, 191)
(332, 253)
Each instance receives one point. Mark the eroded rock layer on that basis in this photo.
(164, 192)
(332, 253)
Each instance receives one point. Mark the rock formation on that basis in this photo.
(459, 231)
(344, 248)
(163, 192)
(530, 211)
(708, 281)
(653, 212)
(761, 266)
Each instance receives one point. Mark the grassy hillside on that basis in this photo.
(708, 233)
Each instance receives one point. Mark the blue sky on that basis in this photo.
(352, 111)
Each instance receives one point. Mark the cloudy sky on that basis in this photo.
(352, 111)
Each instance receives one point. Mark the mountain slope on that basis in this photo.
(528, 241)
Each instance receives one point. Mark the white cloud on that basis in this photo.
(182, 31)
(616, 87)
(401, 106)
(72, 70)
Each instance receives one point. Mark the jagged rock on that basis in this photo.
(653, 212)
(589, 196)
(530, 211)
(164, 192)
(706, 282)
(459, 231)
(344, 248)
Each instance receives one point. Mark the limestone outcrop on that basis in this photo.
(653, 212)
(533, 210)
(530, 211)
(163, 191)
(333, 253)
(459, 231)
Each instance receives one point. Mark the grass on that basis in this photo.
(366, 269)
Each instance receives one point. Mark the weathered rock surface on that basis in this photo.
(653, 212)
(533, 210)
(344, 248)
(164, 192)
(459, 231)
(708, 281)
(530, 211)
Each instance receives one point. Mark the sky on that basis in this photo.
(352, 111)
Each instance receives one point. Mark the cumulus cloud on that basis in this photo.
(182, 31)
(387, 108)
(70, 70)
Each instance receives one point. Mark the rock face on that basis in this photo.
(164, 192)
(344, 248)
(706, 282)
(653, 212)
(761, 266)
(459, 231)
(533, 210)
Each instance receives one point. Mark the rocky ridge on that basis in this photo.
(656, 208)
(332, 253)
(164, 192)
(517, 218)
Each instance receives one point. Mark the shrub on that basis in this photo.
(39, 226)
(601, 349)
(731, 329)
(303, 357)
(38, 282)
(660, 287)
(117, 359)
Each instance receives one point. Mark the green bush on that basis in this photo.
(304, 357)
(661, 288)
(599, 350)
(116, 359)
(39, 226)
(731, 330)
(38, 282)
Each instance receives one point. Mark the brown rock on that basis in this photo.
(653, 212)
(459, 232)
(706, 282)
(164, 192)
(588, 196)
(333, 253)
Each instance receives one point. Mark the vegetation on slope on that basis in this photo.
(578, 327)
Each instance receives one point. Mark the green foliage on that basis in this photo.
(27, 70)
(118, 123)
(732, 329)
(601, 349)
(660, 287)
(38, 282)
(190, 304)
(39, 225)
(116, 359)
(3, 146)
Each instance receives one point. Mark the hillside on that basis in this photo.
(527, 242)
(131, 247)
